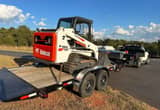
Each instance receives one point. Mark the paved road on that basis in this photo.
(14, 54)
(142, 83)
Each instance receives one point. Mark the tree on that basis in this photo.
(159, 47)
(21, 36)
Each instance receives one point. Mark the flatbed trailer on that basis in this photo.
(30, 81)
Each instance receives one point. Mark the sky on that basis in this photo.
(115, 19)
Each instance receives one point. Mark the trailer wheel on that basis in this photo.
(87, 85)
(102, 80)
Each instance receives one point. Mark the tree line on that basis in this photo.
(23, 36)
(152, 47)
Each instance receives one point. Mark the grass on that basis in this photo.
(64, 100)
(16, 49)
(124, 101)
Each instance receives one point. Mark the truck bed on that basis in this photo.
(39, 77)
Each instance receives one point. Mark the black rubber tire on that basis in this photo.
(75, 63)
(87, 85)
(148, 61)
(138, 64)
(101, 80)
(118, 68)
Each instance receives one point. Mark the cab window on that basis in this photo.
(82, 29)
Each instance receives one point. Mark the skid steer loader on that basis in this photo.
(70, 44)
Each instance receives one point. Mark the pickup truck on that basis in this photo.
(136, 55)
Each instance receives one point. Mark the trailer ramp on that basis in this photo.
(11, 86)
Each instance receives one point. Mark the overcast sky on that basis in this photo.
(116, 19)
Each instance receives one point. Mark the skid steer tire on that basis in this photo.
(77, 62)
(87, 85)
(101, 80)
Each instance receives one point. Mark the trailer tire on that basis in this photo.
(87, 85)
(101, 80)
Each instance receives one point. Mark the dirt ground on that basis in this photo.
(65, 100)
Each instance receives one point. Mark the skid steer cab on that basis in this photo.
(71, 38)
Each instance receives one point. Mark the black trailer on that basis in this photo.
(30, 81)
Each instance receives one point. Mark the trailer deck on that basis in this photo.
(40, 77)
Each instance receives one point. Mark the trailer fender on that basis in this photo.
(79, 77)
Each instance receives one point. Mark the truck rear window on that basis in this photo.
(133, 48)
(46, 41)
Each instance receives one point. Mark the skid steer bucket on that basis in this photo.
(12, 87)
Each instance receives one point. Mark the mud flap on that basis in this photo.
(12, 87)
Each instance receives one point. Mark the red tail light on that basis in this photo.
(28, 96)
(126, 51)
(24, 97)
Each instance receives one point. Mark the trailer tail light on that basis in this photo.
(126, 51)
(28, 96)
(24, 97)
(67, 83)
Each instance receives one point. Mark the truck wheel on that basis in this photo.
(87, 85)
(148, 61)
(102, 80)
(118, 68)
(138, 64)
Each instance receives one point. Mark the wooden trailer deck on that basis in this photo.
(40, 77)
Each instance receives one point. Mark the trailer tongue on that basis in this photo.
(21, 81)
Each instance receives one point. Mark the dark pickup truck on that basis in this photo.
(136, 55)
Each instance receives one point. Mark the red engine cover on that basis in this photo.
(44, 46)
